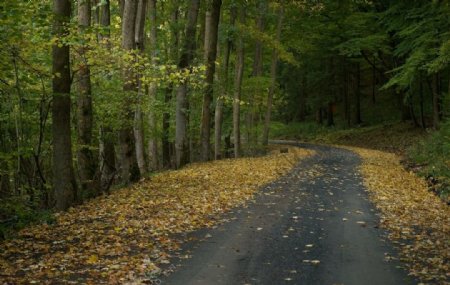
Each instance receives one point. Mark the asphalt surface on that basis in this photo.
(313, 226)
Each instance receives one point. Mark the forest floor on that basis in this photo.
(132, 232)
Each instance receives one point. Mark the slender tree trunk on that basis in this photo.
(127, 153)
(422, 116)
(107, 151)
(152, 122)
(436, 99)
(346, 95)
(239, 71)
(256, 72)
(358, 95)
(64, 183)
(86, 163)
(173, 54)
(181, 138)
(218, 116)
(138, 120)
(211, 51)
(273, 78)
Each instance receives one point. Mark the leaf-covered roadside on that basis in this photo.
(417, 220)
(131, 230)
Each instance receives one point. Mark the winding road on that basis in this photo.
(313, 226)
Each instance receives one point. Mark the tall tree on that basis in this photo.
(218, 116)
(211, 51)
(126, 141)
(172, 55)
(239, 72)
(86, 162)
(153, 142)
(188, 50)
(138, 121)
(107, 151)
(273, 78)
(64, 183)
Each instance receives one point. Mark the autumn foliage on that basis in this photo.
(130, 232)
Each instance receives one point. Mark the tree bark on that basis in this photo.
(218, 116)
(86, 163)
(173, 55)
(436, 101)
(64, 183)
(138, 129)
(358, 95)
(239, 71)
(273, 78)
(181, 138)
(126, 141)
(211, 52)
(153, 143)
(106, 145)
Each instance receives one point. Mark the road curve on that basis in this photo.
(313, 226)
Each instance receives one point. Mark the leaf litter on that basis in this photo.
(129, 234)
(417, 220)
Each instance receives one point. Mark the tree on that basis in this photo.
(138, 123)
(218, 115)
(273, 76)
(153, 143)
(239, 72)
(86, 163)
(188, 50)
(64, 183)
(211, 52)
(127, 154)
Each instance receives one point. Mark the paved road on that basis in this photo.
(313, 226)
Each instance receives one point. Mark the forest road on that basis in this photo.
(313, 226)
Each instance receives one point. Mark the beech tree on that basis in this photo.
(64, 184)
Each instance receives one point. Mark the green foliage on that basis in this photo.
(16, 213)
(433, 156)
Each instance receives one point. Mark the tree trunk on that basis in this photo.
(126, 142)
(422, 116)
(239, 70)
(173, 55)
(153, 142)
(358, 95)
(256, 72)
(436, 105)
(218, 116)
(86, 163)
(211, 51)
(64, 183)
(181, 139)
(107, 151)
(138, 129)
(273, 78)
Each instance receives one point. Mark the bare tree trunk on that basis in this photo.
(273, 77)
(211, 51)
(64, 183)
(172, 54)
(436, 101)
(218, 116)
(126, 142)
(86, 163)
(153, 143)
(181, 139)
(358, 95)
(138, 121)
(239, 71)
